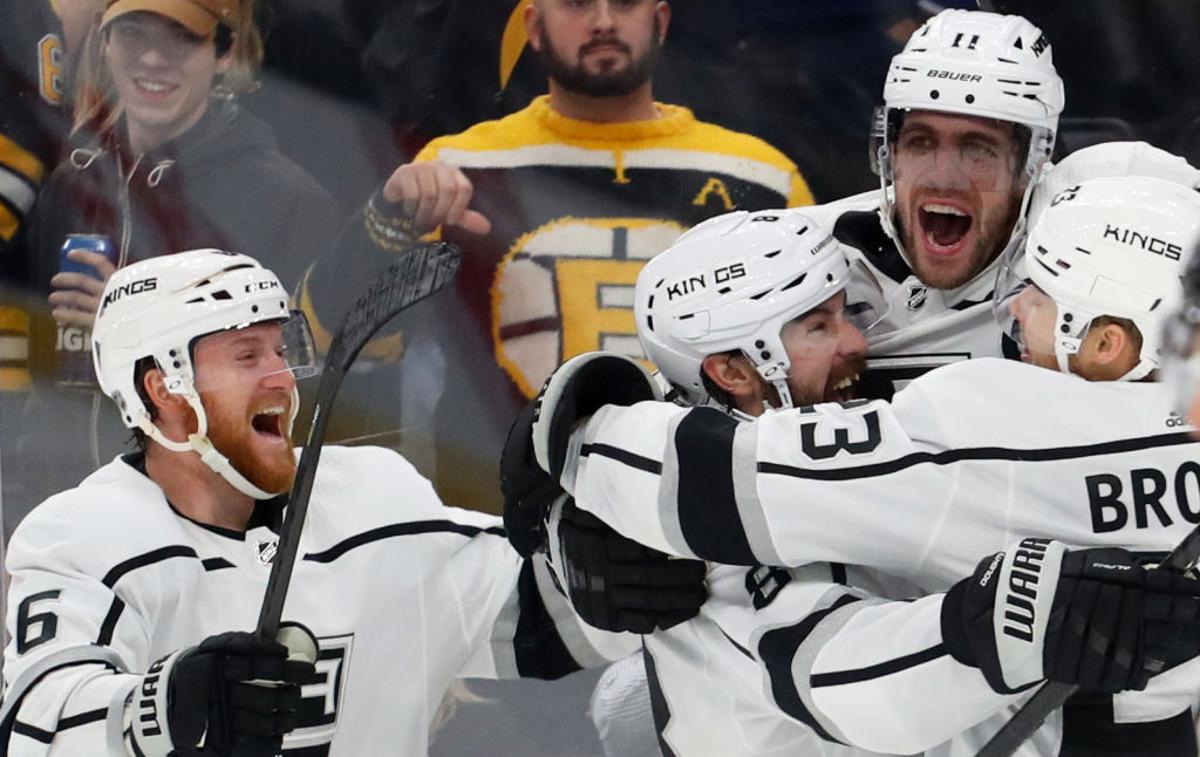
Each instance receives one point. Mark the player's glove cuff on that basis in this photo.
(996, 620)
(147, 709)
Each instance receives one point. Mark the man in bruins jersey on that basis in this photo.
(556, 207)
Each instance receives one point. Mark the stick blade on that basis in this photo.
(418, 273)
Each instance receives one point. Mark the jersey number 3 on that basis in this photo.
(868, 441)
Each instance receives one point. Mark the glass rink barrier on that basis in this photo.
(561, 144)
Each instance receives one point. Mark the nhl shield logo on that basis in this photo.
(267, 549)
(916, 297)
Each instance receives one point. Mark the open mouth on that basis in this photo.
(944, 227)
(269, 422)
(843, 390)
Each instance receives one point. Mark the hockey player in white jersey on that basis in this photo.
(926, 487)
(132, 594)
(969, 118)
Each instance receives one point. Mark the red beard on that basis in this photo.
(234, 437)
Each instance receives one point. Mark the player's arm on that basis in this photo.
(829, 483)
(79, 678)
(516, 618)
(904, 676)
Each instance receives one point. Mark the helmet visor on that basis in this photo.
(250, 353)
(866, 305)
(1011, 279)
(970, 158)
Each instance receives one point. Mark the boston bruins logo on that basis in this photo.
(567, 288)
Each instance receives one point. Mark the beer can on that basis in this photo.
(73, 346)
(98, 243)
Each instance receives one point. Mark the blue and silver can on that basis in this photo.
(73, 346)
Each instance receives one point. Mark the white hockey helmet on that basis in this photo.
(1109, 159)
(971, 63)
(1111, 246)
(159, 307)
(731, 283)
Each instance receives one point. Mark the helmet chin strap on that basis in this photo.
(209, 455)
(775, 374)
(1064, 348)
(1139, 371)
(785, 395)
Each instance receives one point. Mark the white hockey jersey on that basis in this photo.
(403, 593)
(925, 328)
(967, 459)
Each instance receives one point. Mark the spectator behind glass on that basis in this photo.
(164, 160)
(557, 207)
(33, 129)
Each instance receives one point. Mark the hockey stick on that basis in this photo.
(420, 272)
(1053, 695)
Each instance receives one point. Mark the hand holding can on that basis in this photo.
(85, 263)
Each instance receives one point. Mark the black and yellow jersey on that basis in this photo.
(33, 128)
(577, 208)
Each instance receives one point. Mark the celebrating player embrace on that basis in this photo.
(942, 483)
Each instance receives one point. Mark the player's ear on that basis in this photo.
(161, 401)
(662, 12)
(1113, 351)
(733, 373)
(533, 24)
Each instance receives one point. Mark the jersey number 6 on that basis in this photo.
(46, 622)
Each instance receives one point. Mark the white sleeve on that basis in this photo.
(67, 668)
(827, 483)
(859, 670)
(517, 620)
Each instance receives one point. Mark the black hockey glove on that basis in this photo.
(1091, 617)
(618, 585)
(536, 449)
(528, 490)
(200, 702)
